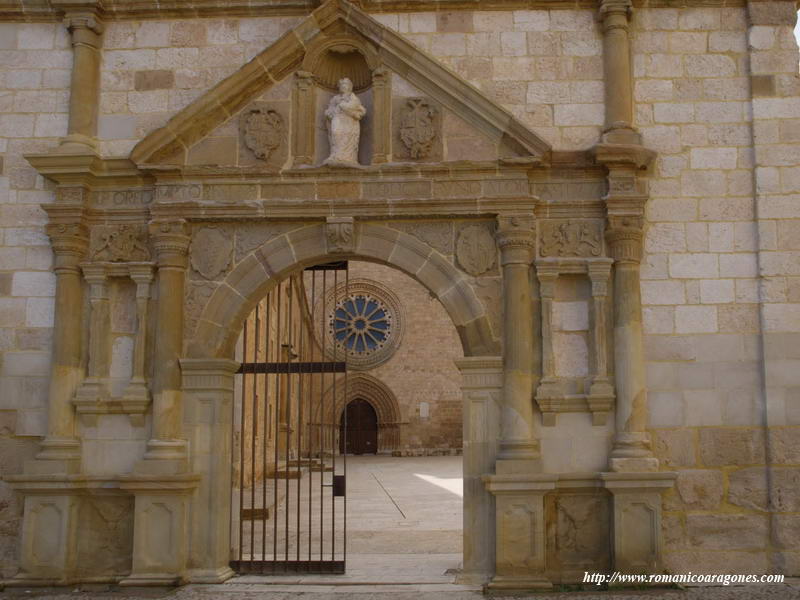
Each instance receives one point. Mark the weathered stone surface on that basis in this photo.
(675, 447)
(697, 490)
(722, 532)
(748, 488)
(724, 447)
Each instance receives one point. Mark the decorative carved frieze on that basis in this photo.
(262, 131)
(417, 127)
(211, 252)
(570, 238)
(475, 250)
(340, 235)
(120, 243)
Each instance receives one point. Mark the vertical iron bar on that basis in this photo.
(322, 433)
(344, 458)
(278, 400)
(264, 435)
(300, 346)
(254, 419)
(333, 420)
(241, 446)
(289, 319)
(312, 327)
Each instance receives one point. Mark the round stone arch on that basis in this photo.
(254, 276)
(365, 387)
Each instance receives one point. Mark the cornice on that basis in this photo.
(87, 169)
(118, 10)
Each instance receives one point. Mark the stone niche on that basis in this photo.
(578, 534)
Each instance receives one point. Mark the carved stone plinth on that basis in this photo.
(161, 526)
(520, 529)
(637, 519)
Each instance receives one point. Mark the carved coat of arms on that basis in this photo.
(476, 250)
(262, 131)
(417, 127)
(122, 243)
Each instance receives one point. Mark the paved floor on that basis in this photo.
(404, 541)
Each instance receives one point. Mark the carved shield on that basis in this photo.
(475, 250)
(417, 129)
(263, 131)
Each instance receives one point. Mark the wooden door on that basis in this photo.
(362, 429)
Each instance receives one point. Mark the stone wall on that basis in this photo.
(35, 62)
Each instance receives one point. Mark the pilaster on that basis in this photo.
(136, 396)
(549, 390)
(601, 390)
(482, 386)
(382, 115)
(94, 389)
(304, 99)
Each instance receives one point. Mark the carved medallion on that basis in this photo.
(211, 252)
(475, 250)
(570, 238)
(417, 128)
(263, 131)
(121, 243)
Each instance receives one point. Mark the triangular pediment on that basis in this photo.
(464, 106)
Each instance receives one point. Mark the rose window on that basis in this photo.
(362, 320)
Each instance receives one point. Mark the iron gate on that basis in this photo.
(290, 507)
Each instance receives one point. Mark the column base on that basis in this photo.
(527, 450)
(633, 465)
(151, 580)
(512, 585)
(76, 143)
(632, 453)
(57, 456)
(622, 134)
(210, 576)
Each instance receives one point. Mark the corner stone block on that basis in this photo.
(637, 519)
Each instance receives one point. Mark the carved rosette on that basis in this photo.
(339, 233)
(171, 242)
(262, 131)
(475, 250)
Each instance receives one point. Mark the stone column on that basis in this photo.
(481, 388)
(171, 242)
(614, 17)
(86, 33)
(136, 394)
(382, 115)
(95, 387)
(601, 392)
(516, 240)
(631, 450)
(304, 93)
(60, 447)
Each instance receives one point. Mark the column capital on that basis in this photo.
(303, 79)
(381, 76)
(599, 274)
(547, 275)
(95, 273)
(142, 274)
(516, 238)
(70, 242)
(624, 236)
(85, 28)
(609, 8)
(171, 241)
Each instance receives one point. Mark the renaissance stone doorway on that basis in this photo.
(358, 429)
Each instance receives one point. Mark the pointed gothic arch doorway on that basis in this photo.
(358, 428)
